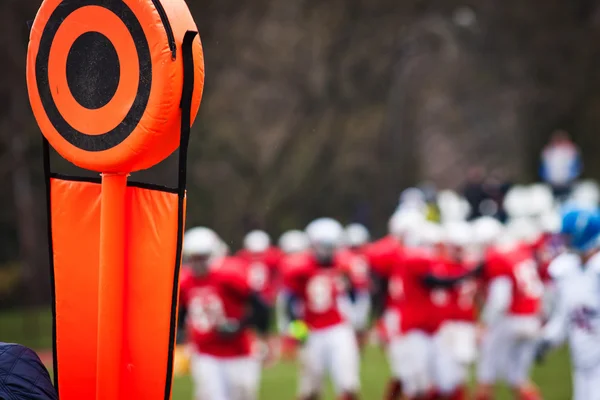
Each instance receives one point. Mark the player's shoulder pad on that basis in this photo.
(230, 267)
(298, 264)
(564, 265)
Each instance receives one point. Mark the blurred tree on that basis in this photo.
(318, 108)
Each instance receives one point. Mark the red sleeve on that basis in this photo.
(495, 266)
(243, 254)
(273, 256)
(233, 274)
(380, 257)
(418, 264)
(185, 280)
(295, 273)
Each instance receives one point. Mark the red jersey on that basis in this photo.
(408, 294)
(355, 266)
(546, 249)
(382, 254)
(318, 289)
(519, 266)
(211, 299)
(263, 271)
(457, 303)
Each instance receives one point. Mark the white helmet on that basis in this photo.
(550, 222)
(201, 241)
(325, 236)
(356, 235)
(516, 201)
(429, 234)
(294, 241)
(325, 231)
(486, 230)
(257, 241)
(403, 223)
(453, 207)
(523, 229)
(586, 194)
(458, 233)
(539, 199)
(223, 250)
(505, 241)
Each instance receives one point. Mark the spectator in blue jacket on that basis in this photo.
(23, 376)
(561, 164)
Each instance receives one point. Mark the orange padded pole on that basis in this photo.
(111, 338)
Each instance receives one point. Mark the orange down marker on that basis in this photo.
(114, 86)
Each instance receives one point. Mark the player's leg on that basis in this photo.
(362, 311)
(489, 363)
(579, 385)
(409, 357)
(522, 354)
(208, 377)
(344, 361)
(586, 384)
(449, 375)
(312, 365)
(243, 378)
(593, 380)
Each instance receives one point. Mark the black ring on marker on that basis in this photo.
(122, 131)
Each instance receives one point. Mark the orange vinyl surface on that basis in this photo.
(148, 279)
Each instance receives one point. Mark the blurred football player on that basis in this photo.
(219, 308)
(355, 268)
(292, 243)
(318, 297)
(549, 246)
(263, 264)
(577, 315)
(511, 318)
(454, 345)
(387, 285)
(413, 315)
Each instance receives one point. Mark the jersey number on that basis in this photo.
(528, 279)
(257, 276)
(320, 294)
(396, 288)
(466, 294)
(205, 312)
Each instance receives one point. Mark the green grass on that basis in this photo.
(33, 329)
(280, 382)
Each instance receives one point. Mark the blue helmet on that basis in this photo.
(581, 227)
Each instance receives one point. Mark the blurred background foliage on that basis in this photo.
(316, 107)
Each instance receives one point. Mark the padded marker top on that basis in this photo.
(105, 79)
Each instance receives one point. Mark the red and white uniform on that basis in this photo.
(512, 315)
(546, 249)
(411, 307)
(222, 368)
(331, 346)
(263, 271)
(454, 344)
(383, 258)
(355, 268)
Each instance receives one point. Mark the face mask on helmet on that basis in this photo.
(199, 263)
(324, 253)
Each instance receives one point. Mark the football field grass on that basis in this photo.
(279, 382)
(33, 329)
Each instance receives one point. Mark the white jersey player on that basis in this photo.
(576, 317)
